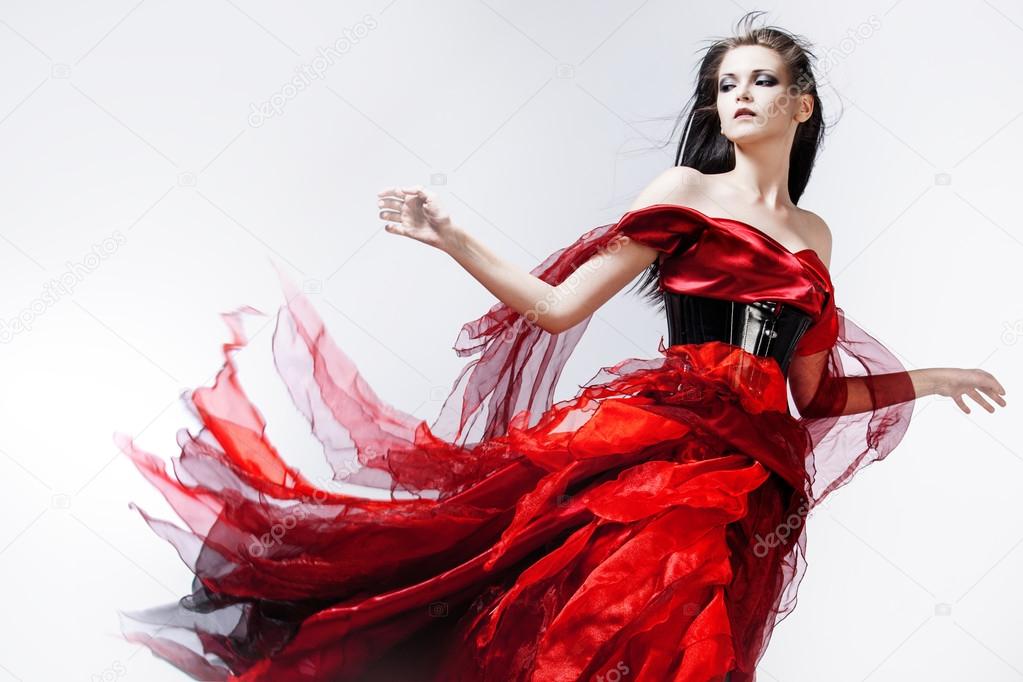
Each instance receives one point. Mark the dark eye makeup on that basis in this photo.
(762, 80)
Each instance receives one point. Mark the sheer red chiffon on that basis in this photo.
(649, 528)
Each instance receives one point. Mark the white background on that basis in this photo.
(541, 120)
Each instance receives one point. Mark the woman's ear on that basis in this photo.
(805, 108)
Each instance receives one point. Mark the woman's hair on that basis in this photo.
(704, 148)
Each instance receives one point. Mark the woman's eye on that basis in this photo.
(761, 81)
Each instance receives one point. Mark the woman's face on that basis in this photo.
(754, 77)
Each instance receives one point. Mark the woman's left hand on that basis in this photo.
(954, 383)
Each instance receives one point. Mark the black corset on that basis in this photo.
(764, 328)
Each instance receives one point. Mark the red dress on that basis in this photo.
(650, 528)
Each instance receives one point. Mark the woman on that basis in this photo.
(651, 528)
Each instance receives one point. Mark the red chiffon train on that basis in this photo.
(652, 527)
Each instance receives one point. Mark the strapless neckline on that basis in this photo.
(716, 220)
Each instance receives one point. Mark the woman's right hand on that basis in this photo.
(414, 212)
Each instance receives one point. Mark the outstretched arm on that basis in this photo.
(414, 212)
(554, 308)
(817, 393)
(820, 391)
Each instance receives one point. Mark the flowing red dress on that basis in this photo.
(650, 528)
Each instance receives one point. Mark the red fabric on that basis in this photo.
(649, 528)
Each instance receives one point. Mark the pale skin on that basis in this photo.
(755, 192)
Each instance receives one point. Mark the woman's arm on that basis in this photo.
(553, 308)
(818, 394)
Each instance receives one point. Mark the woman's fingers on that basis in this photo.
(391, 193)
(391, 201)
(393, 204)
(404, 193)
(993, 394)
(398, 205)
(979, 400)
(962, 405)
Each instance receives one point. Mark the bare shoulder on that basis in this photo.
(817, 235)
(675, 185)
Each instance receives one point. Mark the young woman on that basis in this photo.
(651, 528)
